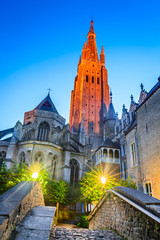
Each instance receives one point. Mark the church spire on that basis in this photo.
(91, 52)
(102, 56)
(91, 30)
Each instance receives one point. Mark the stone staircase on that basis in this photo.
(36, 224)
(82, 233)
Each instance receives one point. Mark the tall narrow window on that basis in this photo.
(116, 154)
(2, 157)
(38, 157)
(148, 189)
(74, 175)
(111, 153)
(92, 79)
(86, 78)
(43, 131)
(22, 158)
(97, 80)
(133, 154)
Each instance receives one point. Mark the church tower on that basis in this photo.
(90, 97)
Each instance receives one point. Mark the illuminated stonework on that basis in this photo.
(90, 97)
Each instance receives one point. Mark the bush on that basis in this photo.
(83, 222)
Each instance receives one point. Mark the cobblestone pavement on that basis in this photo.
(79, 234)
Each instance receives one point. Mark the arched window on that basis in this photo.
(38, 157)
(105, 153)
(116, 154)
(2, 157)
(28, 135)
(22, 158)
(111, 153)
(53, 166)
(43, 131)
(74, 176)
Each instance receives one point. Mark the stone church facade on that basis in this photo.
(95, 135)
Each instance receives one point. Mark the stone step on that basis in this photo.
(36, 224)
(80, 234)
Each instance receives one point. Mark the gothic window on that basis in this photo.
(92, 79)
(53, 166)
(86, 78)
(43, 131)
(97, 80)
(124, 167)
(111, 153)
(2, 157)
(117, 129)
(28, 135)
(116, 154)
(148, 189)
(124, 149)
(111, 130)
(133, 154)
(38, 157)
(105, 153)
(74, 175)
(22, 158)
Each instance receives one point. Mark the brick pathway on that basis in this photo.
(68, 233)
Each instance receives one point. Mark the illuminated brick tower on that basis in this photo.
(90, 97)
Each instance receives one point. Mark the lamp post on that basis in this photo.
(103, 181)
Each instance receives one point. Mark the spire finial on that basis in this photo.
(49, 90)
(142, 87)
(131, 98)
(91, 30)
(159, 78)
(110, 96)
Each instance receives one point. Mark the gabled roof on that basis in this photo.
(47, 105)
(109, 143)
(151, 92)
(111, 113)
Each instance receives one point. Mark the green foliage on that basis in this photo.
(74, 193)
(91, 187)
(83, 222)
(10, 177)
(57, 191)
(127, 183)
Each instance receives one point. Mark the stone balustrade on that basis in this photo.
(129, 212)
(16, 203)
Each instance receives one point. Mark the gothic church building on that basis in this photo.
(94, 134)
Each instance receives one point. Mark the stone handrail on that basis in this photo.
(131, 213)
(16, 203)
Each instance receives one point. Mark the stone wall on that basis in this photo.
(16, 203)
(115, 213)
(148, 130)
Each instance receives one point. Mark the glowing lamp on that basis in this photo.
(35, 175)
(103, 180)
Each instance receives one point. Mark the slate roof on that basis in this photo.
(47, 105)
(109, 143)
(111, 112)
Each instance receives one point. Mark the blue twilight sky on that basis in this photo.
(40, 44)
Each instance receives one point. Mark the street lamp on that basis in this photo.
(35, 175)
(103, 180)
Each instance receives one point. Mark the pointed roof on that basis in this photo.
(111, 112)
(47, 105)
(109, 143)
(91, 30)
(102, 50)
